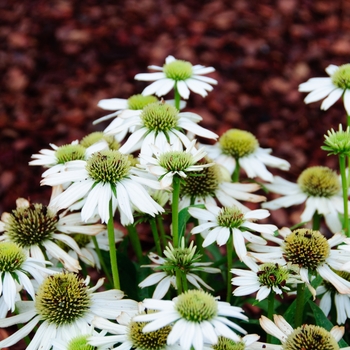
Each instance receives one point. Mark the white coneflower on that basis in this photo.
(333, 87)
(184, 259)
(197, 318)
(64, 304)
(158, 123)
(170, 161)
(306, 337)
(248, 342)
(218, 224)
(319, 187)
(106, 176)
(39, 230)
(241, 147)
(15, 269)
(178, 74)
(311, 252)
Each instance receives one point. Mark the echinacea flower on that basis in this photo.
(178, 74)
(183, 259)
(158, 123)
(306, 337)
(106, 176)
(248, 342)
(170, 161)
(319, 187)
(196, 317)
(39, 230)
(214, 184)
(224, 222)
(15, 269)
(333, 87)
(311, 252)
(240, 148)
(64, 304)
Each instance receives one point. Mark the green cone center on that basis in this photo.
(11, 257)
(175, 160)
(231, 217)
(80, 343)
(138, 102)
(341, 78)
(67, 153)
(272, 275)
(228, 344)
(178, 70)
(97, 136)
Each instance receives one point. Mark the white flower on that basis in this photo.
(224, 222)
(128, 334)
(248, 342)
(183, 259)
(306, 337)
(64, 306)
(311, 252)
(336, 86)
(196, 318)
(171, 161)
(106, 176)
(319, 188)
(15, 269)
(157, 124)
(263, 279)
(180, 75)
(37, 229)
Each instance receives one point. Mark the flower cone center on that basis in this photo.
(319, 181)
(306, 248)
(137, 102)
(272, 275)
(341, 78)
(67, 153)
(80, 343)
(97, 136)
(228, 344)
(178, 70)
(11, 257)
(231, 217)
(175, 160)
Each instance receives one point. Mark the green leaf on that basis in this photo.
(184, 216)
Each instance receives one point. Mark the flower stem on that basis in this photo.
(99, 254)
(135, 241)
(316, 221)
(299, 305)
(112, 248)
(235, 174)
(177, 98)
(270, 311)
(229, 253)
(178, 281)
(156, 236)
(162, 231)
(175, 211)
(344, 184)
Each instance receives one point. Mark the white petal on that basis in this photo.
(113, 104)
(331, 99)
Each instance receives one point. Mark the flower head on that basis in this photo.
(183, 259)
(106, 175)
(220, 223)
(241, 146)
(196, 318)
(64, 305)
(319, 187)
(178, 74)
(337, 85)
(337, 142)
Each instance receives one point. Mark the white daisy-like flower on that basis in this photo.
(307, 337)
(197, 318)
(239, 147)
(263, 279)
(158, 123)
(128, 334)
(178, 74)
(39, 230)
(64, 305)
(214, 184)
(331, 88)
(106, 176)
(319, 187)
(218, 224)
(170, 161)
(183, 259)
(57, 158)
(311, 252)
(15, 269)
(248, 342)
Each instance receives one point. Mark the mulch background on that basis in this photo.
(58, 58)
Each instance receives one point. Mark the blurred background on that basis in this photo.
(58, 58)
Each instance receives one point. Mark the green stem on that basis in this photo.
(316, 221)
(344, 184)
(112, 248)
(229, 253)
(184, 281)
(156, 236)
(270, 312)
(177, 98)
(102, 261)
(299, 305)
(175, 211)
(179, 281)
(135, 241)
(235, 174)
(160, 225)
